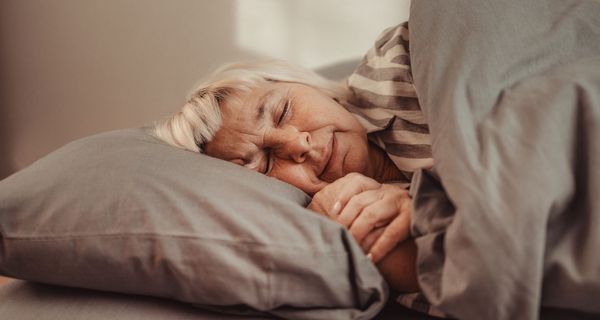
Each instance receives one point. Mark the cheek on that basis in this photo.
(299, 177)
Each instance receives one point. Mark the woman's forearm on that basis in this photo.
(399, 267)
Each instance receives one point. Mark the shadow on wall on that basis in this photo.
(75, 68)
(7, 166)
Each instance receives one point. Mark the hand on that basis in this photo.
(377, 215)
(379, 219)
(330, 200)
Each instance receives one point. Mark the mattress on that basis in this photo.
(27, 300)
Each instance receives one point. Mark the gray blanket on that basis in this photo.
(509, 221)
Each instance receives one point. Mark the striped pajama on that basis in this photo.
(385, 102)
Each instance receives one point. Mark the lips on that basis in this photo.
(329, 155)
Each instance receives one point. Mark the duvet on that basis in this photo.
(509, 220)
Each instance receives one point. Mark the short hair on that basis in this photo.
(200, 117)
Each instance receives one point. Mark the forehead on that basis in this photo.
(250, 106)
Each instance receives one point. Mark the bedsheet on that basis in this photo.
(508, 222)
(27, 300)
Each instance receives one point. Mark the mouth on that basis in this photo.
(330, 155)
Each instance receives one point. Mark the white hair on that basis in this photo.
(200, 118)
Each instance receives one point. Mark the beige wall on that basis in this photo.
(70, 68)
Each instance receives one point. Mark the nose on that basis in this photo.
(293, 145)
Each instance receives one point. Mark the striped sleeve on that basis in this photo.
(385, 101)
(382, 84)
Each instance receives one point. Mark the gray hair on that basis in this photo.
(200, 118)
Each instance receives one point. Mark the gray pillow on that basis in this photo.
(122, 211)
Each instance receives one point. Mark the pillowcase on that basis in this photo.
(124, 212)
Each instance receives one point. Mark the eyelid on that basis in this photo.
(269, 164)
(285, 111)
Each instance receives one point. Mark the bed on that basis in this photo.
(26, 300)
(120, 224)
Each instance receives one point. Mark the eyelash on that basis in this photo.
(286, 108)
(284, 113)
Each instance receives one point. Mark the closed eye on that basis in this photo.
(286, 108)
(268, 164)
(284, 114)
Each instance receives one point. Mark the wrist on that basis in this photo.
(399, 267)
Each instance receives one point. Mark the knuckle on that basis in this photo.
(370, 214)
(382, 194)
(317, 198)
(357, 201)
(351, 175)
(361, 201)
(355, 176)
(394, 190)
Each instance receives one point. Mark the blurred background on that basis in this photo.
(71, 68)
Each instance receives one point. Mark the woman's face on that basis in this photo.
(291, 132)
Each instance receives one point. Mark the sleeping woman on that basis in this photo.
(352, 146)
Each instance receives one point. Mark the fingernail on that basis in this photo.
(336, 208)
(370, 256)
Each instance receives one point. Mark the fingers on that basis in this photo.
(370, 239)
(397, 231)
(317, 207)
(331, 199)
(355, 205)
(353, 184)
(376, 214)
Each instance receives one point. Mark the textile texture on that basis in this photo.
(508, 222)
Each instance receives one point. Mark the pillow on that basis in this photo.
(124, 212)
